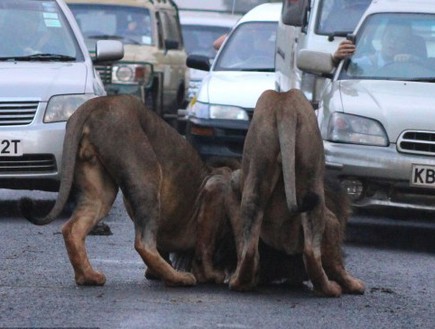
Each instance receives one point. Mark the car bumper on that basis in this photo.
(38, 166)
(383, 173)
(217, 138)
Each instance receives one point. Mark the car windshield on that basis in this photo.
(251, 47)
(35, 31)
(340, 17)
(394, 47)
(131, 25)
(198, 39)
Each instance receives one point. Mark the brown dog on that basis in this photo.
(114, 142)
(282, 190)
(215, 256)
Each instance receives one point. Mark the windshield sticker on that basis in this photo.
(51, 19)
(146, 40)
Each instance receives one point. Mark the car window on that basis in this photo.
(171, 29)
(131, 25)
(36, 30)
(198, 39)
(251, 47)
(337, 16)
(394, 46)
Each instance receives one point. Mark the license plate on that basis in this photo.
(423, 176)
(11, 147)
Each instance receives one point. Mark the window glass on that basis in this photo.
(198, 39)
(131, 25)
(31, 28)
(337, 16)
(394, 46)
(250, 47)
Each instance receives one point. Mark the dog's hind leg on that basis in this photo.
(312, 223)
(142, 190)
(96, 194)
(332, 259)
(247, 224)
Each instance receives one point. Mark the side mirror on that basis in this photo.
(171, 44)
(198, 62)
(315, 62)
(294, 12)
(108, 51)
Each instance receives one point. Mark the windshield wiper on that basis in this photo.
(424, 79)
(113, 37)
(40, 57)
(105, 36)
(258, 70)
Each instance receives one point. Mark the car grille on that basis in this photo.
(42, 163)
(17, 113)
(417, 142)
(105, 72)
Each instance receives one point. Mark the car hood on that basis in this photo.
(235, 88)
(41, 80)
(398, 105)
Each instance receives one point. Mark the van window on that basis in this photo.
(32, 28)
(250, 47)
(130, 25)
(337, 16)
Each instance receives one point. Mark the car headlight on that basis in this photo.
(346, 128)
(60, 108)
(126, 73)
(222, 112)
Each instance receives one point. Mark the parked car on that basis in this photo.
(218, 117)
(45, 74)
(376, 115)
(200, 29)
(154, 64)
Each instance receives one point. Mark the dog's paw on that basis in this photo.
(182, 279)
(91, 279)
(329, 289)
(354, 286)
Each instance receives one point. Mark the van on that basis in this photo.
(46, 73)
(376, 111)
(154, 63)
(316, 25)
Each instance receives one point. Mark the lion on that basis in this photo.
(114, 142)
(215, 256)
(282, 199)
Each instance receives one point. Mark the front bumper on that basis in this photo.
(38, 167)
(217, 138)
(384, 174)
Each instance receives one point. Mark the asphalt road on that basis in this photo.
(37, 289)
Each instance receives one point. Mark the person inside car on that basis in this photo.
(398, 44)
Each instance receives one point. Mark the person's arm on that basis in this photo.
(219, 41)
(345, 49)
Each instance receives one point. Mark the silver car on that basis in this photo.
(377, 114)
(45, 73)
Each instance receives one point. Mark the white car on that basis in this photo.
(218, 117)
(45, 74)
(377, 114)
(200, 29)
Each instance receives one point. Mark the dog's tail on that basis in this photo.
(286, 127)
(71, 142)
